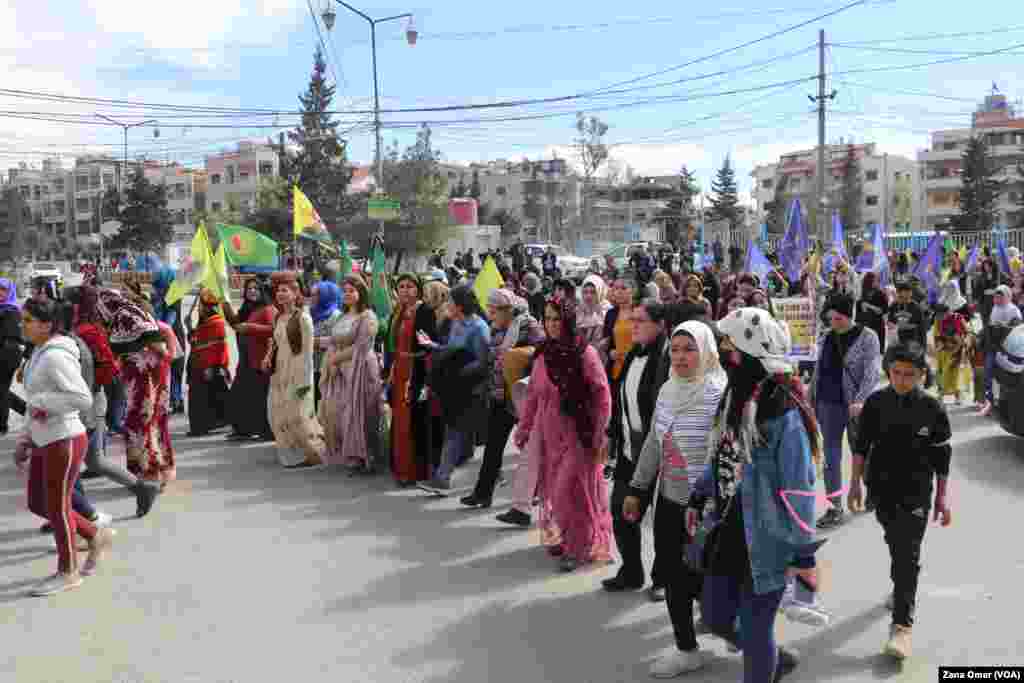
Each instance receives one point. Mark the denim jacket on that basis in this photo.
(782, 463)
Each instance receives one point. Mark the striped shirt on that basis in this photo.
(680, 466)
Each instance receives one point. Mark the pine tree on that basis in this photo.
(320, 168)
(725, 200)
(979, 191)
(851, 192)
(474, 187)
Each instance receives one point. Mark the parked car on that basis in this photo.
(622, 253)
(1008, 382)
(572, 267)
(43, 269)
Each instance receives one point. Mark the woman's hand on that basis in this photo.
(424, 340)
(692, 521)
(631, 509)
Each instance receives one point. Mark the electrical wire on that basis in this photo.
(935, 36)
(898, 50)
(919, 65)
(915, 93)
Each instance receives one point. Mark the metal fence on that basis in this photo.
(917, 241)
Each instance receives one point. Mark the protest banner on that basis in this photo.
(801, 317)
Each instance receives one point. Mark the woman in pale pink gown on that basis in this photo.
(563, 425)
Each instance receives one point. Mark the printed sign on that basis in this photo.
(801, 317)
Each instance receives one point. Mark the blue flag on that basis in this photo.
(972, 259)
(838, 251)
(757, 263)
(1004, 258)
(795, 243)
(930, 267)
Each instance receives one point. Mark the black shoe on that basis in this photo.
(831, 519)
(473, 502)
(235, 436)
(620, 583)
(89, 474)
(46, 528)
(788, 660)
(145, 496)
(515, 518)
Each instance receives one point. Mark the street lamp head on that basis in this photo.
(411, 34)
(328, 16)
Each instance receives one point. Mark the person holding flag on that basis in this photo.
(254, 325)
(209, 378)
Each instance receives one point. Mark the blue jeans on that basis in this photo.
(458, 448)
(990, 362)
(833, 419)
(80, 503)
(725, 599)
(117, 404)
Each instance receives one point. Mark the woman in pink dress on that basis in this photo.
(564, 421)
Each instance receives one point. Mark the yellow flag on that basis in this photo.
(194, 269)
(304, 215)
(487, 280)
(217, 280)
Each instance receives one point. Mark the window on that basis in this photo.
(243, 176)
(1012, 196)
(83, 227)
(230, 175)
(949, 145)
(215, 179)
(82, 204)
(266, 168)
(767, 183)
(58, 208)
(108, 180)
(58, 186)
(81, 183)
(871, 200)
(871, 175)
(215, 206)
(500, 191)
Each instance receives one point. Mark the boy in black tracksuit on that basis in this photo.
(904, 433)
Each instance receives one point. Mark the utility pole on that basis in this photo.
(820, 101)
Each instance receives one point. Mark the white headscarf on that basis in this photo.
(593, 316)
(951, 297)
(755, 332)
(679, 394)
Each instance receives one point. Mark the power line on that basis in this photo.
(932, 63)
(898, 50)
(749, 43)
(323, 46)
(915, 93)
(936, 36)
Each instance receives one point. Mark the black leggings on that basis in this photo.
(682, 584)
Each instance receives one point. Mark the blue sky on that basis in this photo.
(258, 54)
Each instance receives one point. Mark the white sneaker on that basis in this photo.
(103, 520)
(806, 612)
(677, 663)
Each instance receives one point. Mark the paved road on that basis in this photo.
(246, 573)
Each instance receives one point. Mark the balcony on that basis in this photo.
(940, 155)
(946, 183)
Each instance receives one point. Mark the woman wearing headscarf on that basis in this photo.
(953, 342)
(299, 437)
(325, 309)
(350, 384)
(10, 346)
(565, 416)
(758, 488)
(872, 307)
(533, 292)
(692, 305)
(676, 446)
(460, 374)
(170, 314)
(593, 308)
(410, 411)
(512, 327)
(254, 328)
(208, 376)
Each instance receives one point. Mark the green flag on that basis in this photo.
(380, 297)
(247, 247)
(344, 262)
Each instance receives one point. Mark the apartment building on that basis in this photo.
(891, 187)
(186, 193)
(14, 226)
(233, 177)
(941, 165)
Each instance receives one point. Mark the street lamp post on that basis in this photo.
(119, 180)
(410, 34)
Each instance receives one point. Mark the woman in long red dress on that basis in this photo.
(145, 373)
(410, 436)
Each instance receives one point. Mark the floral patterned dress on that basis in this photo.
(146, 378)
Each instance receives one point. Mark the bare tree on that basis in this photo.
(591, 152)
